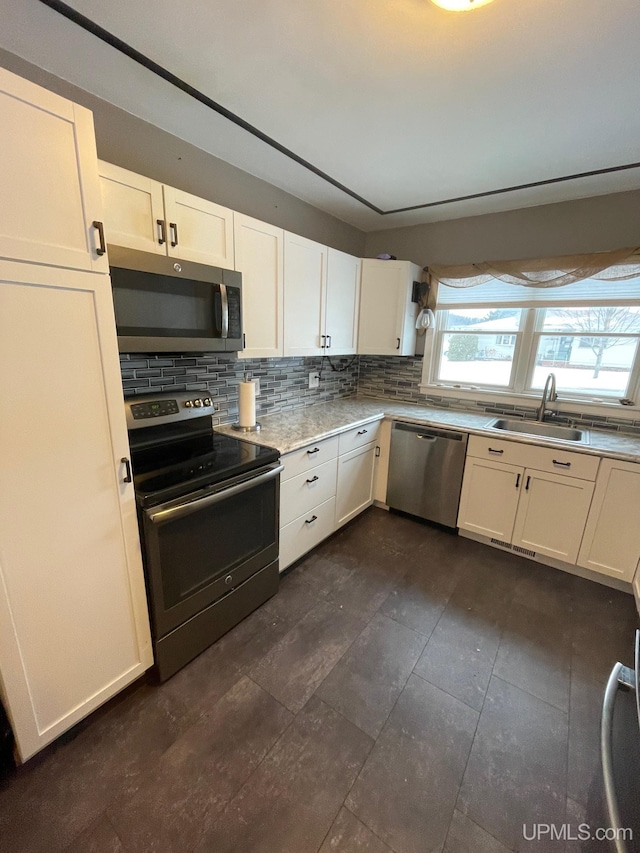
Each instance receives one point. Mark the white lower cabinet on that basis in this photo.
(354, 491)
(551, 516)
(489, 498)
(324, 485)
(531, 508)
(306, 531)
(611, 542)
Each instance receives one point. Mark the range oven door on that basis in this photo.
(203, 546)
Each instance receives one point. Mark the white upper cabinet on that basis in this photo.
(387, 314)
(259, 249)
(305, 277)
(145, 214)
(198, 230)
(611, 543)
(133, 209)
(49, 179)
(342, 303)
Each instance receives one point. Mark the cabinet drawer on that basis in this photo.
(358, 437)
(300, 494)
(310, 456)
(534, 456)
(306, 532)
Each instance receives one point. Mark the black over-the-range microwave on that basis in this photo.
(168, 305)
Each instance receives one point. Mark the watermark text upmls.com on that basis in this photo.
(571, 832)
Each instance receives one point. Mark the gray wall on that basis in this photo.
(585, 225)
(134, 144)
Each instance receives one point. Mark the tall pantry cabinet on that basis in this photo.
(74, 627)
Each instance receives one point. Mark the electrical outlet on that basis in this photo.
(314, 379)
(256, 382)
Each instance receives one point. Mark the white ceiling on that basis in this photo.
(400, 101)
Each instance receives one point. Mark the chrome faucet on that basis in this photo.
(548, 396)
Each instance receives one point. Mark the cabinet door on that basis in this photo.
(197, 229)
(343, 301)
(133, 209)
(552, 514)
(305, 275)
(489, 498)
(611, 543)
(259, 249)
(382, 307)
(49, 179)
(354, 491)
(74, 628)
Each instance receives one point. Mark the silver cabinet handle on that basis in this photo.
(174, 228)
(323, 339)
(617, 678)
(164, 513)
(102, 246)
(329, 339)
(162, 231)
(313, 479)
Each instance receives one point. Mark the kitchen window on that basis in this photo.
(593, 350)
(502, 327)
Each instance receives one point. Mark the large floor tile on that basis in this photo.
(516, 773)
(366, 682)
(349, 835)
(460, 654)
(584, 774)
(201, 772)
(321, 574)
(295, 666)
(100, 837)
(465, 836)
(535, 653)
(290, 802)
(407, 790)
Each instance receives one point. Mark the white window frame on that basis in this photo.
(520, 389)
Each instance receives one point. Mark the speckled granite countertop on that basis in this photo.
(290, 430)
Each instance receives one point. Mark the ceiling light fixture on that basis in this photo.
(460, 5)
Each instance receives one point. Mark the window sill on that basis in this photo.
(562, 404)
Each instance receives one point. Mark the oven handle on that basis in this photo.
(620, 678)
(161, 516)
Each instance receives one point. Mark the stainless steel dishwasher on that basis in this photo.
(425, 471)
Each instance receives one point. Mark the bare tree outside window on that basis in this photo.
(596, 322)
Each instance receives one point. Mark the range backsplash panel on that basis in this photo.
(284, 382)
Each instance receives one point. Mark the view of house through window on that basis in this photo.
(592, 350)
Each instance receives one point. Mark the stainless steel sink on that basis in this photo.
(542, 430)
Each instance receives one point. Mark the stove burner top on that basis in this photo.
(175, 451)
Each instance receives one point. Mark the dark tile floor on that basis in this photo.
(407, 690)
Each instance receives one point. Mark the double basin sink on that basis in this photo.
(541, 430)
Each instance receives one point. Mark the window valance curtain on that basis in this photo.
(617, 265)
(612, 277)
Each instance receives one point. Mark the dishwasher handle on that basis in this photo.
(430, 433)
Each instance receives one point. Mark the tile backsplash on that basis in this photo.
(398, 378)
(284, 382)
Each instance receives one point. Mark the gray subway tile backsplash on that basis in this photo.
(284, 384)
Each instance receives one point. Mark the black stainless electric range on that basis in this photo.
(208, 511)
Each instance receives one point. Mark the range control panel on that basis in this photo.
(154, 409)
(181, 405)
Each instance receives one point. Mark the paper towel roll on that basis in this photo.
(247, 404)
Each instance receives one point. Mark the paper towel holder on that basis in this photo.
(255, 428)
